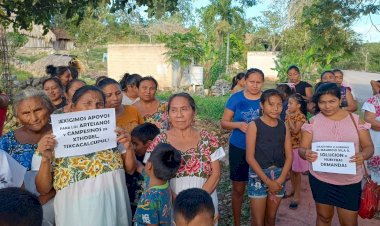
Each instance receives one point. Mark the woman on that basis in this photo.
(238, 83)
(54, 89)
(152, 109)
(127, 117)
(200, 150)
(348, 101)
(241, 108)
(301, 87)
(371, 110)
(90, 188)
(71, 87)
(129, 86)
(62, 73)
(32, 109)
(332, 124)
(328, 76)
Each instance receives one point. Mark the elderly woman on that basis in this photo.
(129, 86)
(90, 188)
(61, 72)
(54, 89)
(32, 109)
(332, 124)
(200, 150)
(127, 117)
(152, 109)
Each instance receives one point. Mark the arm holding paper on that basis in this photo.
(44, 178)
(305, 147)
(129, 156)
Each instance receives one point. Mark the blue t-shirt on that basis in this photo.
(154, 206)
(245, 110)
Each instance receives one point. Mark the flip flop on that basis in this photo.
(293, 205)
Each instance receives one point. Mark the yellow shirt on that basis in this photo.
(129, 119)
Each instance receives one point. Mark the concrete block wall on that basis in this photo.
(264, 61)
(143, 59)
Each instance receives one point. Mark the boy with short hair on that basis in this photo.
(142, 135)
(193, 207)
(155, 204)
(19, 207)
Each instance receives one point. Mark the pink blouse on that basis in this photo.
(324, 129)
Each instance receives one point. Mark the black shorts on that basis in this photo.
(342, 196)
(238, 165)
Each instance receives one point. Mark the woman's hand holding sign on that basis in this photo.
(46, 146)
(358, 158)
(124, 138)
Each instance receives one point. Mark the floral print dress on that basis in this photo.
(195, 165)
(160, 117)
(373, 105)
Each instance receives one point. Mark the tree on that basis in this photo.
(223, 16)
(319, 33)
(22, 14)
(183, 48)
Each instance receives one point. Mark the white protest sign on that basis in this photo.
(334, 157)
(84, 132)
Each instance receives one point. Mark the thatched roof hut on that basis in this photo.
(36, 37)
(63, 41)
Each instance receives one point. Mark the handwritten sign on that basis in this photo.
(334, 157)
(84, 132)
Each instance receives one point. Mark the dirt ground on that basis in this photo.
(305, 215)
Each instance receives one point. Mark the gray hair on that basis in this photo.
(32, 93)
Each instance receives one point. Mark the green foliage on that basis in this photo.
(22, 14)
(184, 48)
(320, 37)
(20, 74)
(15, 39)
(216, 70)
(365, 58)
(208, 107)
(30, 58)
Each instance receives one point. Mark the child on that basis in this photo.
(154, 206)
(19, 207)
(285, 92)
(295, 118)
(194, 207)
(269, 155)
(142, 135)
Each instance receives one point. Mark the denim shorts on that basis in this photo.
(257, 188)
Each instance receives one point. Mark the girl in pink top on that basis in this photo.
(332, 124)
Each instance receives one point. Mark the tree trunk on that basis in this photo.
(228, 52)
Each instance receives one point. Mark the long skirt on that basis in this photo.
(97, 201)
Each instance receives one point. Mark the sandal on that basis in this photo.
(293, 205)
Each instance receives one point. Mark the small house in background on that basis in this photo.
(36, 37)
(63, 40)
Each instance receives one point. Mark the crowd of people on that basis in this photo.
(165, 171)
